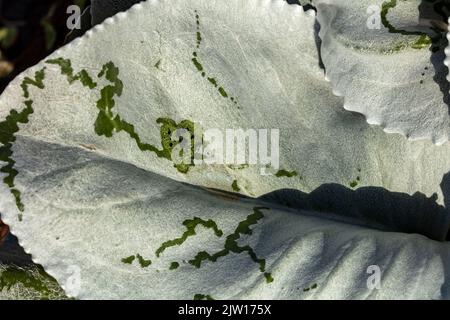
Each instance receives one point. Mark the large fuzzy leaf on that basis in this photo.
(84, 156)
(387, 61)
(102, 9)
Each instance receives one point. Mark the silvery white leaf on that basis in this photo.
(387, 62)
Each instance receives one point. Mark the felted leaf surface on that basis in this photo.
(85, 153)
(385, 58)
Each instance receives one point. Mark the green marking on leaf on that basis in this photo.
(284, 173)
(191, 225)
(107, 122)
(195, 60)
(143, 262)
(213, 81)
(80, 3)
(50, 34)
(7, 130)
(314, 286)
(268, 277)
(424, 41)
(128, 260)
(223, 93)
(37, 82)
(199, 296)
(168, 127)
(36, 279)
(67, 70)
(355, 182)
(174, 265)
(9, 127)
(49, 30)
(235, 186)
(197, 64)
(231, 244)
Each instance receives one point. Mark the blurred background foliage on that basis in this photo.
(29, 31)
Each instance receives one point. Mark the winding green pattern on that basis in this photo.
(107, 122)
(231, 245)
(142, 262)
(128, 260)
(235, 186)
